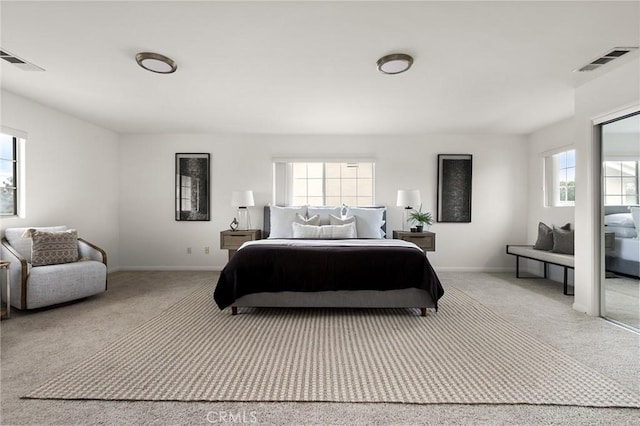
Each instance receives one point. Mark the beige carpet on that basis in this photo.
(464, 354)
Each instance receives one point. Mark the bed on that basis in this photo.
(624, 256)
(359, 269)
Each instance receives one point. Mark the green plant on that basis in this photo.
(420, 217)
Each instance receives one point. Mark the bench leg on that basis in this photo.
(517, 266)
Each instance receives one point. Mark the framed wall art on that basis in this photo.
(454, 188)
(192, 187)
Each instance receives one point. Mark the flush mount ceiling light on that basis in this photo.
(394, 63)
(156, 62)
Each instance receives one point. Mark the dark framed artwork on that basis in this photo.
(192, 186)
(454, 188)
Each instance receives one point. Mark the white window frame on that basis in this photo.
(621, 195)
(20, 138)
(283, 191)
(552, 177)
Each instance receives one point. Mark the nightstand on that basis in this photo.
(610, 240)
(232, 240)
(425, 240)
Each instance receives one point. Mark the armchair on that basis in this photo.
(38, 286)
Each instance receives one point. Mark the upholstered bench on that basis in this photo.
(546, 257)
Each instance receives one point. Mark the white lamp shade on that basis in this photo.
(408, 198)
(242, 199)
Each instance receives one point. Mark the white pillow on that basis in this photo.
(324, 213)
(324, 231)
(334, 220)
(313, 220)
(621, 231)
(339, 231)
(368, 221)
(635, 216)
(619, 219)
(282, 218)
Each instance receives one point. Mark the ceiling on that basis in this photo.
(310, 67)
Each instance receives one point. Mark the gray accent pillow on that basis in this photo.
(563, 241)
(545, 236)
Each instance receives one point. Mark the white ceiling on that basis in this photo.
(309, 67)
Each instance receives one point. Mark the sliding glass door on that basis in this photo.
(620, 289)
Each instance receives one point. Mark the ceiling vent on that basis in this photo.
(615, 53)
(18, 62)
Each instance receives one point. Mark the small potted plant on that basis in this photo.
(421, 218)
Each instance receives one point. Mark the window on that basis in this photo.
(560, 178)
(620, 183)
(324, 183)
(8, 175)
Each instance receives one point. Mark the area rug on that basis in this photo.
(463, 354)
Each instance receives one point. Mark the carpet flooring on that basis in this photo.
(464, 354)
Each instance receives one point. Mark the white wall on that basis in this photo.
(558, 135)
(150, 238)
(118, 191)
(540, 143)
(71, 173)
(613, 93)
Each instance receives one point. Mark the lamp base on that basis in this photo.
(406, 219)
(244, 219)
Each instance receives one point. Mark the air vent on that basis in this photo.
(615, 53)
(18, 62)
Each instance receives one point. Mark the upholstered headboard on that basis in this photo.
(266, 226)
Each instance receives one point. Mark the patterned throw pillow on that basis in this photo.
(51, 248)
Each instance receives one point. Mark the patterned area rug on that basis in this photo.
(464, 354)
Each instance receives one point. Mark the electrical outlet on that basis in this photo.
(206, 250)
(188, 250)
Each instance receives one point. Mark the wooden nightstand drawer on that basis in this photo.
(232, 240)
(425, 240)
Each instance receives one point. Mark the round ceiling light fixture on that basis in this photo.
(395, 63)
(156, 62)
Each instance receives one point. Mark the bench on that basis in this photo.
(565, 261)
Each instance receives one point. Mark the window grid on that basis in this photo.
(621, 182)
(332, 183)
(566, 173)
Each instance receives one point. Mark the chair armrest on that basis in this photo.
(91, 251)
(18, 271)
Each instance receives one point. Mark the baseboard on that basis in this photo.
(473, 269)
(580, 308)
(219, 268)
(168, 268)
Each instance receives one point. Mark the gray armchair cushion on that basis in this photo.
(53, 284)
